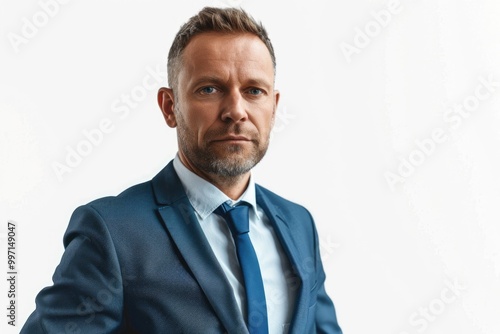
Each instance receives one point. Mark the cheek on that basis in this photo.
(265, 122)
(199, 124)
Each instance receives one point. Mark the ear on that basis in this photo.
(166, 103)
(276, 100)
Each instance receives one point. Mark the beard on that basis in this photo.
(228, 161)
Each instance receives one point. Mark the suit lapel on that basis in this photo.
(179, 218)
(282, 230)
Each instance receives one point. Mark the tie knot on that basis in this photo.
(235, 216)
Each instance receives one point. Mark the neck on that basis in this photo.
(233, 187)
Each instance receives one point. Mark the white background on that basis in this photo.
(391, 253)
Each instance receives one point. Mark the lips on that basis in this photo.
(232, 138)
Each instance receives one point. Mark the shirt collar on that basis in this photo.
(204, 196)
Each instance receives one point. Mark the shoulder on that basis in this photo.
(285, 207)
(134, 197)
(115, 217)
(273, 196)
(300, 225)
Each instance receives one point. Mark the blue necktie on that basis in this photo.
(237, 220)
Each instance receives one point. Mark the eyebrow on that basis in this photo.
(207, 78)
(217, 80)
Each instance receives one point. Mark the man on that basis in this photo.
(168, 255)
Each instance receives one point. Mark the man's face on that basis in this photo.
(224, 103)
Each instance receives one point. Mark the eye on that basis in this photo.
(208, 90)
(255, 91)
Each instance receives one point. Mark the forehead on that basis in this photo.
(213, 51)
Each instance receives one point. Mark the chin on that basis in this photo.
(231, 166)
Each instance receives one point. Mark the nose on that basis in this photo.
(233, 107)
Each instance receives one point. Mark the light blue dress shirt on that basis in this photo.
(274, 264)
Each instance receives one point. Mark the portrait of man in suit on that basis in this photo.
(201, 247)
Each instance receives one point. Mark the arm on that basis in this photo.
(87, 294)
(326, 318)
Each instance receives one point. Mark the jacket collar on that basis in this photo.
(167, 187)
(179, 219)
(279, 222)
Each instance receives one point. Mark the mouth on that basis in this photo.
(232, 138)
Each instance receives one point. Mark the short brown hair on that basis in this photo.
(211, 19)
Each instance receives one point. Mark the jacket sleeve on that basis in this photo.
(326, 318)
(87, 291)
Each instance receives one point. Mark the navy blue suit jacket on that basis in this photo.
(140, 263)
